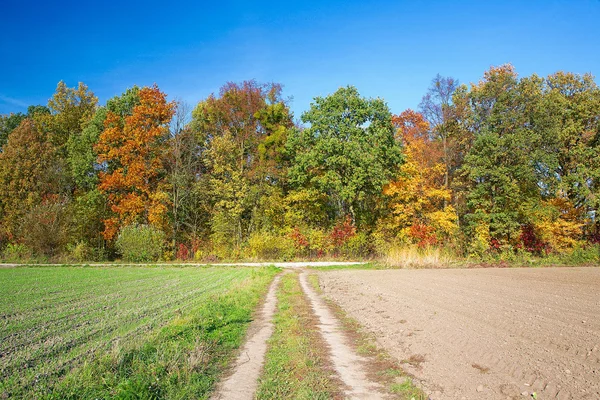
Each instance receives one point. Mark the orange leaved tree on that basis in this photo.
(132, 151)
(418, 198)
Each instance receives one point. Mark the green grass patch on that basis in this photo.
(295, 361)
(74, 332)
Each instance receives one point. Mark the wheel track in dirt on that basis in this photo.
(242, 382)
(349, 365)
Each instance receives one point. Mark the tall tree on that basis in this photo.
(134, 150)
(10, 122)
(348, 152)
(190, 207)
(436, 106)
(28, 175)
(242, 134)
(501, 163)
(417, 197)
(70, 110)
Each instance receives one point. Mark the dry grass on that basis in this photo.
(414, 257)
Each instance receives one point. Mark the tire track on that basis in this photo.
(346, 362)
(243, 382)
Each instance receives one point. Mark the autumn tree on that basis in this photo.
(348, 152)
(10, 122)
(28, 176)
(190, 205)
(501, 164)
(568, 125)
(242, 132)
(437, 108)
(418, 198)
(132, 149)
(70, 109)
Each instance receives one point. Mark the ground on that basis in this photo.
(483, 333)
(259, 333)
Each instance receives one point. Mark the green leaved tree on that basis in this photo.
(347, 151)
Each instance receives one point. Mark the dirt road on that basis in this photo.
(483, 333)
(241, 384)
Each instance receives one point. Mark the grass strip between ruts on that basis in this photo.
(296, 361)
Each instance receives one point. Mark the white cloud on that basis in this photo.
(13, 101)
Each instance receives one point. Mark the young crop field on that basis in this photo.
(77, 332)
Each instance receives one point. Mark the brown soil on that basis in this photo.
(483, 333)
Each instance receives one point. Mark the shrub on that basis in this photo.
(342, 232)
(80, 252)
(583, 255)
(17, 253)
(267, 246)
(319, 243)
(45, 228)
(358, 246)
(140, 243)
(183, 252)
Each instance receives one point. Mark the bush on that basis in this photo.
(358, 246)
(80, 252)
(583, 255)
(319, 243)
(45, 228)
(17, 253)
(267, 246)
(140, 243)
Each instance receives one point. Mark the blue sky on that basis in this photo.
(388, 49)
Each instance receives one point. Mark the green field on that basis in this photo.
(75, 332)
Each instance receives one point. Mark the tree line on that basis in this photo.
(503, 166)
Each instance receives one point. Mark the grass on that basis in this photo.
(135, 332)
(295, 362)
(412, 256)
(381, 366)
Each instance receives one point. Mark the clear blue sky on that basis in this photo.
(388, 49)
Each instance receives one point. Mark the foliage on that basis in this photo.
(505, 168)
(45, 228)
(29, 172)
(140, 243)
(268, 246)
(9, 123)
(348, 152)
(419, 201)
(242, 134)
(70, 109)
(134, 152)
(17, 253)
